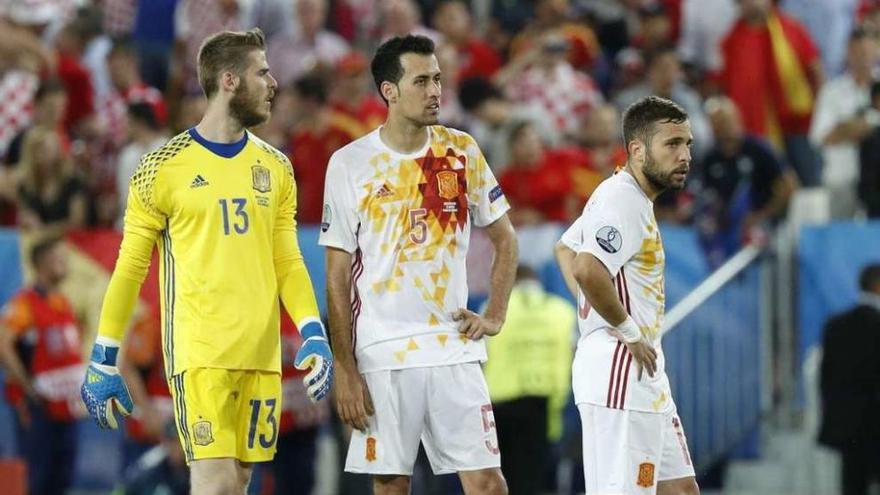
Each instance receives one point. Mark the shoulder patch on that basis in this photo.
(609, 239)
(145, 175)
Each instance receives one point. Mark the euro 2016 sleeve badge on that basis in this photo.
(261, 177)
(202, 433)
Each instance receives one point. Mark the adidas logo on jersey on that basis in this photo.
(199, 181)
(384, 191)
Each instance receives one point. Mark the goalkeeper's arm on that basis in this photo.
(103, 389)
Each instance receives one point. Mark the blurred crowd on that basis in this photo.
(781, 95)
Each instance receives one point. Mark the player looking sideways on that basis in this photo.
(612, 260)
(398, 208)
(220, 204)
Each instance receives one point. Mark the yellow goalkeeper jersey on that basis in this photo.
(222, 216)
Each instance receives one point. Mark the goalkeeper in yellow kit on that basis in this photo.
(220, 205)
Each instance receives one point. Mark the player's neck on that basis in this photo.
(644, 184)
(218, 126)
(403, 136)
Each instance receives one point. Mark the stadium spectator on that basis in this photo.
(869, 160)
(475, 57)
(830, 23)
(544, 76)
(841, 122)
(554, 17)
(129, 87)
(850, 386)
(153, 35)
(537, 341)
(655, 28)
(600, 138)
(353, 94)
(704, 25)
(317, 132)
(77, 80)
(144, 136)
(50, 101)
(316, 47)
(538, 181)
(402, 17)
(494, 116)
(40, 349)
(740, 186)
(52, 198)
(771, 69)
(665, 78)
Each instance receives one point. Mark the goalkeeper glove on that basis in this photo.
(103, 390)
(315, 354)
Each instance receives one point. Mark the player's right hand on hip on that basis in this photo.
(645, 355)
(315, 355)
(103, 390)
(353, 401)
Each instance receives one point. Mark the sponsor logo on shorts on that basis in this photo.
(609, 239)
(646, 475)
(202, 433)
(371, 449)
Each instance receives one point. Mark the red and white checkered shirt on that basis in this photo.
(17, 90)
(568, 95)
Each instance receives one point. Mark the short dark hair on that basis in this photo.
(143, 112)
(226, 51)
(123, 46)
(474, 91)
(640, 118)
(859, 34)
(869, 278)
(41, 248)
(49, 87)
(311, 87)
(386, 64)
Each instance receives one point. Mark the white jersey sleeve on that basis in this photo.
(339, 221)
(611, 227)
(486, 201)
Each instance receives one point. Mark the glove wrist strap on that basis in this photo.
(105, 352)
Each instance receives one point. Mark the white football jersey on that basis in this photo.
(618, 227)
(406, 218)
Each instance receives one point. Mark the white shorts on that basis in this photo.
(446, 407)
(628, 452)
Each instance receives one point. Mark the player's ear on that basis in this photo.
(389, 91)
(229, 81)
(636, 149)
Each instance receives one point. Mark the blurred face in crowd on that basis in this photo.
(453, 20)
(554, 50)
(123, 69)
(399, 17)
(526, 146)
(726, 123)
(416, 97)
(656, 29)
(665, 72)
(47, 154)
(549, 10)
(862, 55)
(601, 127)
(754, 10)
(50, 109)
(311, 15)
(251, 104)
(52, 266)
(667, 155)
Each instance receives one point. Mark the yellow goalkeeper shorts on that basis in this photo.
(227, 413)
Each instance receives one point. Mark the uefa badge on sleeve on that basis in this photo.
(325, 218)
(609, 239)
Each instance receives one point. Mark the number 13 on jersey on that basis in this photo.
(241, 222)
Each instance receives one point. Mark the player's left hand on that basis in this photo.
(474, 325)
(315, 354)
